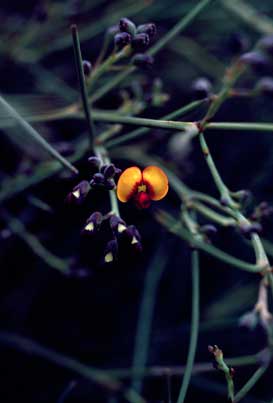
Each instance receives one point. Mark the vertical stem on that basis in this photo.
(101, 153)
(194, 327)
(86, 107)
(143, 333)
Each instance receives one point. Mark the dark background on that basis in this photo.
(94, 318)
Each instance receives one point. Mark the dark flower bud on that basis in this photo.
(149, 29)
(243, 195)
(95, 162)
(112, 31)
(87, 67)
(93, 223)
(109, 184)
(98, 178)
(122, 39)
(108, 171)
(266, 43)
(135, 239)
(224, 201)
(249, 320)
(257, 60)
(249, 229)
(237, 43)
(201, 88)
(111, 251)
(140, 42)
(265, 86)
(210, 349)
(126, 25)
(208, 229)
(117, 224)
(78, 193)
(117, 171)
(143, 60)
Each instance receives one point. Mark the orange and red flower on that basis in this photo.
(142, 187)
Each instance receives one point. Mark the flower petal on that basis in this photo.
(128, 182)
(156, 181)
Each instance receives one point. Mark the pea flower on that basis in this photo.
(142, 187)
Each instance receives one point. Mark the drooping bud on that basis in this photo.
(266, 43)
(249, 320)
(238, 43)
(93, 223)
(95, 162)
(208, 229)
(87, 68)
(117, 225)
(265, 86)
(111, 251)
(126, 25)
(112, 31)
(201, 88)
(122, 39)
(140, 42)
(149, 29)
(134, 236)
(143, 60)
(97, 180)
(257, 60)
(78, 193)
(109, 184)
(249, 229)
(108, 171)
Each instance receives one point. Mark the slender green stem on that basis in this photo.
(260, 22)
(223, 190)
(101, 153)
(194, 327)
(212, 215)
(146, 310)
(179, 27)
(92, 374)
(106, 65)
(35, 245)
(160, 371)
(84, 95)
(34, 135)
(249, 384)
(240, 126)
(142, 131)
(173, 226)
(112, 117)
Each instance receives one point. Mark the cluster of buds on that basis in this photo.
(104, 176)
(263, 210)
(119, 230)
(102, 179)
(138, 37)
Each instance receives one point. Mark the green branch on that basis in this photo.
(30, 132)
(194, 327)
